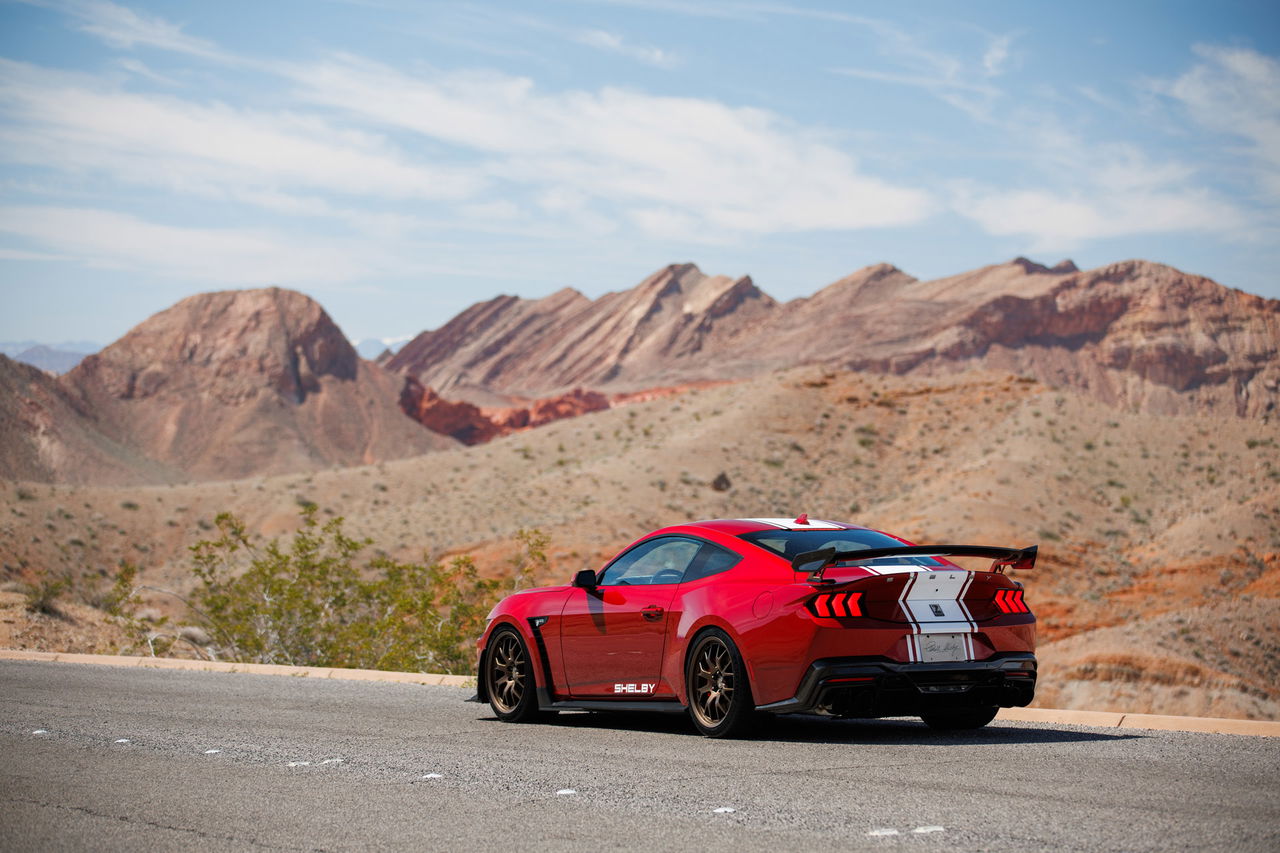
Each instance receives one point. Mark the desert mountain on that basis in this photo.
(237, 383)
(1137, 335)
(49, 359)
(658, 330)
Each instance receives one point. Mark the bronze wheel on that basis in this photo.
(719, 696)
(508, 677)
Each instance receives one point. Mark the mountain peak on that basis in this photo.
(230, 344)
(1030, 267)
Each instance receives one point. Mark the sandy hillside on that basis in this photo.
(1159, 584)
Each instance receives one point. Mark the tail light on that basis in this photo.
(836, 604)
(1010, 601)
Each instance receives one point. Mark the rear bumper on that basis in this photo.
(875, 687)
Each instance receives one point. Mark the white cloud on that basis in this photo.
(138, 68)
(613, 43)
(1057, 221)
(20, 255)
(75, 123)
(1236, 91)
(957, 75)
(725, 168)
(1081, 191)
(996, 55)
(742, 169)
(122, 27)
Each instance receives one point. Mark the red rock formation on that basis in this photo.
(459, 420)
(472, 425)
(576, 402)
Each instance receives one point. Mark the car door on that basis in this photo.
(612, 636)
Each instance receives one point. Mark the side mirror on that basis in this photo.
(585, 579)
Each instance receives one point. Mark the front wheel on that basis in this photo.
(508, 677)
(720, 700)
(950, 721)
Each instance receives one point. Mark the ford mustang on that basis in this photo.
(732, 619)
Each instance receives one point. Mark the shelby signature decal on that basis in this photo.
(635, 688)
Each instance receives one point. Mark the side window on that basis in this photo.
(654, 562)
(711, 560)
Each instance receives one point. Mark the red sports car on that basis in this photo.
(732, 618)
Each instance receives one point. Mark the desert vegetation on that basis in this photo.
(323, 598)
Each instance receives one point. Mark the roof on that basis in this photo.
(738, 526)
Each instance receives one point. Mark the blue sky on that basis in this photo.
(401, 160)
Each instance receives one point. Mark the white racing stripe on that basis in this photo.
(913, 645)
(933, 602)
(790, 524)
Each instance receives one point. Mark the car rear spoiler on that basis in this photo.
(815, 562)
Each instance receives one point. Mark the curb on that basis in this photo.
(429, 678)
(1100, 719)
(1160, 722)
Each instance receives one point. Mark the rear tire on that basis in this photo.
(720, 702)
(508, 677)
(951, 721)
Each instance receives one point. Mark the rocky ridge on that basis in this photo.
(622, 341)
(1135, 334)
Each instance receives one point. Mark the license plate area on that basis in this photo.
(942, 648)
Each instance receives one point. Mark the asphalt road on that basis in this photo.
(99, 758)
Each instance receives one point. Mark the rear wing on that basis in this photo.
(814, 563)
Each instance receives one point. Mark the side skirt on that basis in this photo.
(547, 703)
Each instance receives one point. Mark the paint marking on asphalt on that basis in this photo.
(880, 833)
(212, 751)
(40, 732)
(725, 810)
(121, 740)
(332, 761)
(433, 776)
(299, 763)
(922, 830)
(565, 792)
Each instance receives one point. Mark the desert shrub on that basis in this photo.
(41, 595)
(318, 602)
(142, 627)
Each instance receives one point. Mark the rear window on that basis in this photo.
(789, 543)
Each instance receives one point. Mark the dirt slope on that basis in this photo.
(49, 433)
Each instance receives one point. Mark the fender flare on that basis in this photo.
(533, 643)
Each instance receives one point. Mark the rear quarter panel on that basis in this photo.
(742, 603)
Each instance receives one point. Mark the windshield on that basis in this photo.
(789, 543)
